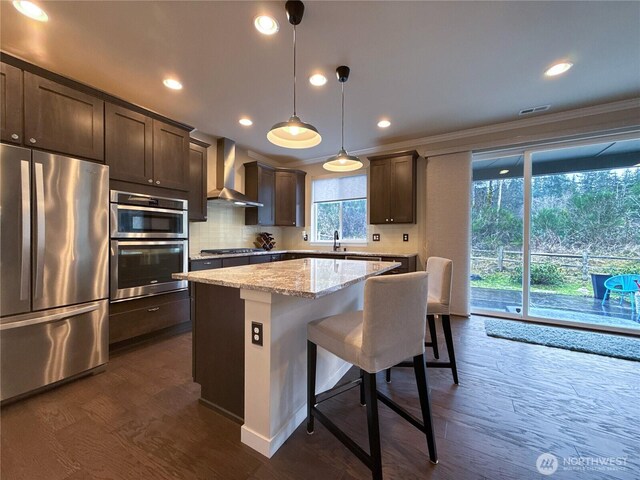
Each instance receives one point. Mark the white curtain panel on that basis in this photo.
(448, 220)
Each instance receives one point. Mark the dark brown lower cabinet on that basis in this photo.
(137, 318)
(234, 261)
(197, 265)
(408, 264)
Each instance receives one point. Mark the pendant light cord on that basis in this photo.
(294, 70)
(342, 142)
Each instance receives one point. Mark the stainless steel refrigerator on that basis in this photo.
(54, 241)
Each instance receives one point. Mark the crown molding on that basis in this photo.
(264, 159)
(629, 104)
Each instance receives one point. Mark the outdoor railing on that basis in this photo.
(502, 256)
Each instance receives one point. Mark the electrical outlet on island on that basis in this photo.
(376, 237)
(405, 237)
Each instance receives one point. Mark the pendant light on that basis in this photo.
(294, 133)
(342, 162)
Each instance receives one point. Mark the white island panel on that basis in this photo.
(276, 373)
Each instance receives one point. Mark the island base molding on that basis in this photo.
(276, 372)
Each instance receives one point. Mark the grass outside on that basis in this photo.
(502, 281)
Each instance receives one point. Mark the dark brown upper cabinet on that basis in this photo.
(260, 186)
(129, 145)
(10, 104)
(392, 188)
(198, 181)
(290, 192)
(62, 119)
(143, 150)
(170, 156)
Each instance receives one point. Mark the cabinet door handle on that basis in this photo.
(392, 219)
(150, 180)
(386, 219)
(157, 182)
(32, 140)
(15, 136)
(154, 309)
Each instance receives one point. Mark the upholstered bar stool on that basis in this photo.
(440, 272)
(440, 275)
(390, 329)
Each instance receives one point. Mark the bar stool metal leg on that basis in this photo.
(431, 321)
(446, 327)
(363, 400)
(312, 350)
(425, 405)
(371, 397)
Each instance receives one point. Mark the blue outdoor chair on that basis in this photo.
(622, 284)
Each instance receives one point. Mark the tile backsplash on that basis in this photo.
(225, 228)
(390, 239)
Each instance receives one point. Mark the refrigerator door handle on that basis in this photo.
(40, 225)
(26, 230)
(67, 313)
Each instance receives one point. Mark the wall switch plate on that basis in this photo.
(405, 237)
(376, 237)
(256, 333)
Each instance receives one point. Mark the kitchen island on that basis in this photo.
(259, 377)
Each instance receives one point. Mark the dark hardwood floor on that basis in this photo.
(141, 420)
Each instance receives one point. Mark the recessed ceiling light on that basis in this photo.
(317, 80)
(245, 121)
(504, 172)
(637, 165)
(172, 83)
(384, 123)
(266, 25)
(558, 69)
(31, 10)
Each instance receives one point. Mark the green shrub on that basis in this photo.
(541, 274)
(625, 268)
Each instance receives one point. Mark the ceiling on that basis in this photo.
(587, 157)
(430, 67)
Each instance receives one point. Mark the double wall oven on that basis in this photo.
(149, 243)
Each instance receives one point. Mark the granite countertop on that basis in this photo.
(308, 277)
(209, 256)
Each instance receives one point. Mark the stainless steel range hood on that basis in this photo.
(225, 177)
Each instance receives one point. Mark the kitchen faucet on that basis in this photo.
(336, 237)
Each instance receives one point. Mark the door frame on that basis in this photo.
(527, 176)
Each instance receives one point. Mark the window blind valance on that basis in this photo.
(340, 188)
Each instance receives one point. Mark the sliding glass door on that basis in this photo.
(496, 231)
(579, 251)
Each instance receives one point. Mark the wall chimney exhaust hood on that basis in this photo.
(225, 177)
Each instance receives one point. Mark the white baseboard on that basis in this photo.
(269, 446)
